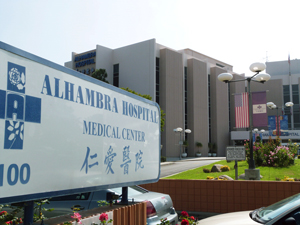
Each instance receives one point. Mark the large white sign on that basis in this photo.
(62, 132)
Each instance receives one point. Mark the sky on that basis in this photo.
(233, 31)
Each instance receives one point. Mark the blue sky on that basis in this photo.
(233, 31)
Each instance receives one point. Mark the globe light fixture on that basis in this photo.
(257, 67)
(180, 131)
(225, 77)
(263, 77)
(271, 105)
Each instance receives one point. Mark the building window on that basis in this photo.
(209, 111)
(185, 100)
(229, 103)
(219, 65)
(296, 112)
(157, 81)
(116, 75)
(287, 110)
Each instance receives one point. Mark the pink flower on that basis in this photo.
(103, 217)
(77, 217)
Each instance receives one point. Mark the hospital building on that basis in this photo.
(185, 85)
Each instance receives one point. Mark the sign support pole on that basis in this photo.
(28, 213)
(124, 199)
(236, 169)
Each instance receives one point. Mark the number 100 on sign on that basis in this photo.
(14, 174)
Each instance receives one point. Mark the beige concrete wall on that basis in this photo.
(171, 99)
(197, 90)
(219, 111)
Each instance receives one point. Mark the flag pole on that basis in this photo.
(291, 93)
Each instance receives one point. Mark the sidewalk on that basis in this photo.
(172, 160)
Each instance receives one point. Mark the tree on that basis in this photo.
(162, 114)
(198, 145)
(100, 74)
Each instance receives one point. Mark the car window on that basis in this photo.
(132, 191)
(80, 196)
(272, 211)
(295, 214)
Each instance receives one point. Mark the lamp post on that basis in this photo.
(271, 105)
(180, 131)
(257, 77)
(256, 131)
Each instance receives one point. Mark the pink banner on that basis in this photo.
(259, 103)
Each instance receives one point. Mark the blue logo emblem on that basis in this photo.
(17, 108)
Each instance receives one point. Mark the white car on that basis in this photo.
(286, 211)
(159, 205)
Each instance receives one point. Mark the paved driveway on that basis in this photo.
(177, 166)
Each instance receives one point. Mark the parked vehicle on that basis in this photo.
(286, 211)
(158, 205)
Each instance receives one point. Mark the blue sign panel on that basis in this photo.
(283, 125)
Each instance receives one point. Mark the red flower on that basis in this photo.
(19, 220)
(8, 222)
(192, 218)
(103, 216)
(184, 213)
(184, 222)
(3, 213)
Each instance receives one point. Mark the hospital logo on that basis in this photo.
(17, 108)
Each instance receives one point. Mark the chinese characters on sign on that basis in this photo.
(109, 159)
(86, 161)
(126, 159)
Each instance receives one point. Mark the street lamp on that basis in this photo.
(180, 131)
(256, 131)
(257, 77)
(271, 105)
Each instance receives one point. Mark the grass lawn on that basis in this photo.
(268, 173)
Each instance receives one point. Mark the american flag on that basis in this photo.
(241, 110)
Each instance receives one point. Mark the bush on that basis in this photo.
(225, 168)
(272, 153)
(206, 170)
(288, 179)
(163, 159)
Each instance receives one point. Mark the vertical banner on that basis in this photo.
(283, 125)
(259, 103)
(241, 110)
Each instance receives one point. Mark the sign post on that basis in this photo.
(235, 153)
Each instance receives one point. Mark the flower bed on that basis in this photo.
(272, 153)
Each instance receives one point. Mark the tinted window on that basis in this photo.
(81, 196)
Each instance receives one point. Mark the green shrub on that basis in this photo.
(206, 170)
(272, 153)
(225, 168)
(163, 159)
